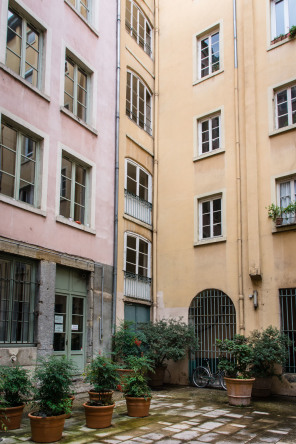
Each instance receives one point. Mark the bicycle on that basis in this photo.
(202, 376)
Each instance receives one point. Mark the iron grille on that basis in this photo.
(288, 324)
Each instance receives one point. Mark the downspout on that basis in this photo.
(116, 180)
(238, 179)
(155, 172)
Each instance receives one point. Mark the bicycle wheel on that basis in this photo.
(201, 377)
(221, 381)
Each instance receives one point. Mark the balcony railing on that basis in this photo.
(138, 287)
(137, 207)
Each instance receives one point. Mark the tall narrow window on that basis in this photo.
(209, 54)
(73, 190)
(138, 102)
(76, 90)
(285, 101)
(283, 16)
(209, 134)
(82, 6)
(23, 48)
(286, 193)
(138, 26)
(210, 218)
(19, 157)
(138, 192)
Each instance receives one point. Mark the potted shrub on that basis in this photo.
(15, 389)
(102, 374)
(164, 340)
(275, 213)
(237, 368)
(52, 391)
(136, 390)
(270, 347)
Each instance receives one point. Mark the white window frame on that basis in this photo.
(138, 238)
(200, 122)
(289, 105)
(129, 109)
(287, 21)
(77, 5)
(135, 34)
(139, 168)
(198, 226)
(291, 180)
(78, 67)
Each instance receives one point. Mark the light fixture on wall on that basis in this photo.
(254, 296)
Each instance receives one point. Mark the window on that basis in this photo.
(23, 48)
(19, 158)
(209, 134)
(286, 193)
(138, 102)
(76, 89)
(17, 298)
(209, 54)
(73, 190)
(210, 218)
(138, 192)
(283, 16)
(82, 6)
(288, 324)
(285, 103)
(138, 26)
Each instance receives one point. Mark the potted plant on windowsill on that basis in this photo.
(102, 374)
(270, 347)
(52, 391)
(15, 391)
(237, 368)
(292, 32)
(136, 390)
(290, 211)
(275, 213)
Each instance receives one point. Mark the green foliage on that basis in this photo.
(241, 357)
(53, 379)
(291, 208)
(15, 386)
(274, 211)
(127, 342)
(292, 32)
(135, 385)
(168, 339)
(101, 373)
(270, 347)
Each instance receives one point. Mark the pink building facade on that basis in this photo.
(57, 145)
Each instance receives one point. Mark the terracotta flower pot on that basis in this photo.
(98, 417)
(100, 396)
(262, 387)
(137, 407)
(239, 390)
(48, 429)
(12, 416)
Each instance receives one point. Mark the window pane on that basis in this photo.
(81, 112)
(217, 204)
(131, 242)
(80, 175)
(217, 230)
(280, 18)
(65, 207)
(128, 14)
(79, 213)
(14, 32)
(84, 11)
(26, 192)
(206, 232)
(292, 13)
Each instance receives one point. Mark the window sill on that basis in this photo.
(143, 129)
(203, 79)
(24, 82)
(210, 154)
(81, 122)
(137, 221)
(213, 240)
(279, 43)
(73, 224)
(282, 130)
(82, 18)
(283, 228)
(22, 205)
(137, 301)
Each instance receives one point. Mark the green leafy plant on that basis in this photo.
(274, 211)
(292, 32)
(240, 357)
(15, 386)
(53, 383)
(168, 339)
(102, 374)
(290, 209)
(270, 347)
(135, 385)
(127, 342)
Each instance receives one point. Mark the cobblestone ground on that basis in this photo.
(183, 415)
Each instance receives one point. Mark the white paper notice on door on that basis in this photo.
(74, 327)
(58, 328)
(58, 319)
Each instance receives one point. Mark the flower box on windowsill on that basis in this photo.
(279, 38)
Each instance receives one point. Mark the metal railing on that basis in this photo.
(137, 207)
(136, 286)
(288, 324)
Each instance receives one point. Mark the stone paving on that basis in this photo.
(183, 415)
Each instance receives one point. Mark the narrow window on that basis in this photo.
(76, 89)
(82, 6)
(138, 26)
(283, 16)
(286, 193)
(138, 192)
(210, 218)
(209, 54)
(209, 134)
(285, 101)
(138, 102)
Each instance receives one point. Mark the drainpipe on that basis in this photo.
(155, 172)
(115, 250)
(238, 179)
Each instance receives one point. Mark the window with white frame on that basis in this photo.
(82, 6)
(23, 48)
(210, 217)
(208, 53)
(76, 89)
(138, 26)
(209, 138)
(285, 106)
(286, 193)
(138, 102)
(19, 164)
(283, 16)
(74, 190)
(138, 192)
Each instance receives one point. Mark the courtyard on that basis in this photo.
(182, 415)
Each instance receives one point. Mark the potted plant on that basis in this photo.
(270, 347)
(292, 32)
(136, 390)
(52, 391)
(102, 374)
(237, 368)
(164, 340)
(275, 213)
(15, 389)
(290, 210)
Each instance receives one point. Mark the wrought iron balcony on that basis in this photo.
(136, 286)
(138, 208)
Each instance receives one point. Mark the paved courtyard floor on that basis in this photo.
(183, 415)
